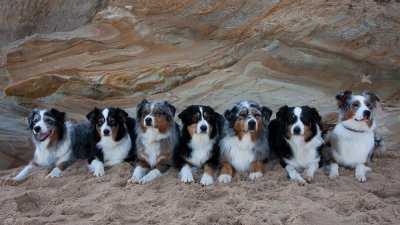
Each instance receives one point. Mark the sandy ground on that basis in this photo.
(79, 198)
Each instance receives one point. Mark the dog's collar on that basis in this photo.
(350, 129)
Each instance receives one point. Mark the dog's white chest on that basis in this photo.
(201, 146)
(50, 157)
(152, 147)
(351, 148)
(115, 152)
(240, 152)
(304, 153)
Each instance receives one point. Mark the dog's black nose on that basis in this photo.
(367, 114)
(148, 121)
(37, 129)
(252, 125)
(203, 128)
(296, 130)
(106, 132)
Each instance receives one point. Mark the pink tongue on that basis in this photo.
(42, 136)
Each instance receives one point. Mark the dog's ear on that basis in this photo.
(92, 115)
(266, 112)
(230, 115)
(60, 116)
(139, 108)
(281, 112)
(371, 97)
(30, 118)
(184, 115)
(342, 98)
(171, 107)
(122, 113)
(315, 116)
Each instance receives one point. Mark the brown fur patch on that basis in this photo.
(53, 137)
(142, 162)
(114, 131)
(142, 127)
(162, 165)
(192, 129)
(238, 128)
(162, 124)
(208, 170)
(62, 166)
(369, 122)
(98, 129)
(34, 164)
(256, 166)
(349, 114)
(227, 169)
(307, 132)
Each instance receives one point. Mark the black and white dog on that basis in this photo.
(353, 138)
(58, 143)
(157, 137)
(113, 139)
(244, 145)
(296, 136)
(199, 143)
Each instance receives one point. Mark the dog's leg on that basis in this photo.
(97, 167)
(162, 167)
(310, 171)
(186, 174)
(226, 173)
(56, 172)
(139, 171)
(361, 171)
(333, 171)
(30, 168)
(207, 178)
(294, 175)
(255, 170)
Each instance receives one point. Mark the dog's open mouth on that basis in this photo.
(43, 136)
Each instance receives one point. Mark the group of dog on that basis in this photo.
(239, 141)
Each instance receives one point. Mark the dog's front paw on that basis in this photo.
(206, 180)
(310, 179)
(153, 174)
(255, 175)
(361, 178)
(225, 178)
(186, 176)
(99, 172)
(56, 172)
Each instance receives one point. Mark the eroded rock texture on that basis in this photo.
(210, 52)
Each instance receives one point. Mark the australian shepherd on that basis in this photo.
(58, 143)
(157, 137)
(296, 136)
(353, 138)
(113, 139)
(244, 145)
(199, 143)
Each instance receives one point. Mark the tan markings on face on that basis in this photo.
(369, 122)
(53, 137)
(208, 170)
(192, 129)
(288, 130)
(256, 166)
(162, 124)
(142, 127)
(238, 127)
(98, 128)
(256, 134)
(114, 130)
(244, 113)
(349, 114)
(307, 131)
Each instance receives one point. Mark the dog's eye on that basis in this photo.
(145, 113)
(112, 122)
(206, 117)
(356, 105)
(368, 104)
(100, 122)
(257, 115)
(36, 120)
(196, 118)
(158, 114)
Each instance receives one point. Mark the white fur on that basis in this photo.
(26, 171)
(225, 178)
(333, 171)
(151, 140)
(56, 172)
(186, 174)
(202, 122)
(293, 174)
(304, 153)
(206, 180)
(114, 151)
(97, 167)
(297, 112)
(361, 171)
(105, 124)
(201, 146)
(41, 123)
(138, 173)
(240, 152)
(255, 175)
(153, 174)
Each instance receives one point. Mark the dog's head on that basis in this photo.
(299, 121)
(200, 119)
(47, 124)
(109, 122)
(247, 116)
(357, 110)
(159, 115)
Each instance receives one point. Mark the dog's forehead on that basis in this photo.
(248, 105)
(359, 98)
